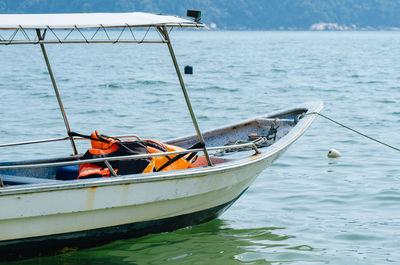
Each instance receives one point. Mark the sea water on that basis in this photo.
(306, 208)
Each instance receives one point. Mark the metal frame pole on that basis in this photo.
(41, 38)
(163, 30)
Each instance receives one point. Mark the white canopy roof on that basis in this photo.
(91, 20)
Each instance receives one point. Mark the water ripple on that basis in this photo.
(326, 212)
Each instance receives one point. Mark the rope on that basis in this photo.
(23, 31)
(95, 33)
(130, 29)
(13, 36)
(353, 130)
(69, 33)
(84, 35)
(55, 34)
(105, 31)
(120, 35)
(145, 35)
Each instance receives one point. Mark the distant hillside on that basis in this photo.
(239, 14)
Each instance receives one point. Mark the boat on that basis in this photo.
(46, 208)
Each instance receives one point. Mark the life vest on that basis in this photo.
(171, 162)
(105, 146)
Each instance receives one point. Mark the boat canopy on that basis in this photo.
(91, 20)
(88, 26)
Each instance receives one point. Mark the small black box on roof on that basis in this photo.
(196, 14)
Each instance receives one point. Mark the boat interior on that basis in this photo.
(225, 145)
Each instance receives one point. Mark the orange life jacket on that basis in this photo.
(105, 146)
(161, 162)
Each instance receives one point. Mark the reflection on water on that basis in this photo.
(211, 243)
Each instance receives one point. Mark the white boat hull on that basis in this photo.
(105, 213)
(90, 212)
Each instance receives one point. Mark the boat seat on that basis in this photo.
(20, 180)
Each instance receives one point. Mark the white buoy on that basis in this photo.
(333, 153)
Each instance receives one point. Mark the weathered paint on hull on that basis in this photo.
(79, 209)
(169, 205)
(53, 244)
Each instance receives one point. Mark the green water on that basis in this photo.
(306, 208)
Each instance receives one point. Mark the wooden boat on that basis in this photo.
(45, 208)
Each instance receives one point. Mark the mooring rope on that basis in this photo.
(353, 130)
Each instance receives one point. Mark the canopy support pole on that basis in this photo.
(53, 80)
(163, 30)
